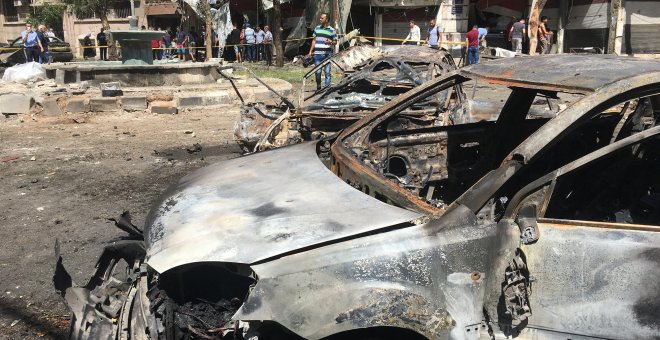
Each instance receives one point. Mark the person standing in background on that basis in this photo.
(32, 46)
(414, 35)
(472, 43)
(268, 45)
(41, 34)
(192, 44)
(516, 35)
(324, 38)
(155, 45)
(181, 41)
(544, 35)
(89, 51)
(507, 30)
(234, 40)
(250, 40)
(166, 42)
(483, 32)
(260, 43)
(102, 42)
(434, 37)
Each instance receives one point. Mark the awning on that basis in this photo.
(162, 9)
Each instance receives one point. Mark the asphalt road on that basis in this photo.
(62, 180)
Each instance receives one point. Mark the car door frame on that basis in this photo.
(544, 260)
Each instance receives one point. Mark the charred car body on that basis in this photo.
(372, 78)
(526, 227)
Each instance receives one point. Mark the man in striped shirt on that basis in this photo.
(324, 38)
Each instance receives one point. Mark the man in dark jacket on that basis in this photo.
(233, 40)
(102, 42)
(41, 34)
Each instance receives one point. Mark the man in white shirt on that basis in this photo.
(250, 40)
(268, 42)
(260, 41)
(414, 35)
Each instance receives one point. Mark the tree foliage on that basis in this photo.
(83, 8)
(100, 8)
(47, 14)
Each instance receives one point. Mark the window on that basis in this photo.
(622, 187)
(11, 12)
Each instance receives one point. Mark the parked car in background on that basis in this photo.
(58, 50)
(525, 226)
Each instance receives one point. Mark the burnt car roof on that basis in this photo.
(565, 72)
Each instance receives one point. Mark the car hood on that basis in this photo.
(258, 207)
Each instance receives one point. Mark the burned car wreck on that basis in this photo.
(524, 227)
(372, 78)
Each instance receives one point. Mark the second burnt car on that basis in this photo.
(525, 227)
(372, 78)
(58, 50)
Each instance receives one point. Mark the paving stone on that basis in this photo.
(132, 103)
(50, 107)
(217, 98)
(164, 107)
(190, 101)
(103, 104)
(15, 103)
(77, 105)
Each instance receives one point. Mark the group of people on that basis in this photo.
(476, 37)
(185, 44)
(517, 31)
(251, 44)
(35, 43)
(433, 35)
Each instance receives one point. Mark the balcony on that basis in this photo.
(114, 13)
(123, 12)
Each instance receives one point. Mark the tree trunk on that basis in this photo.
(537, 7)
(277, 34)
(112, 47)
(208, 24)
(615, 17)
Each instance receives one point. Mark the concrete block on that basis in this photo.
(164, 107)
(217, 98)
(103, 104)
(50, 107)
(77, 105)
(112, 89)
(133, 103)
(15, 103)
(60, 76)
(190, 101)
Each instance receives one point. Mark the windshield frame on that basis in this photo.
(345, 161)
